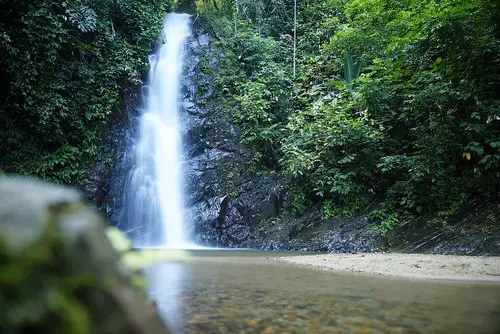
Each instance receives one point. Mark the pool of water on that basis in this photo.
(246, 292)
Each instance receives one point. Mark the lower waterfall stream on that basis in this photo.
(153, 194)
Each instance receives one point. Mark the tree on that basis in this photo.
(66, 67)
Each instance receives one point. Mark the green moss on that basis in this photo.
(41, 288)
(38, 291)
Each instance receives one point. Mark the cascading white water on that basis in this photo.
(153, 194)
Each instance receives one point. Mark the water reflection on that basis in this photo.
(227, 294)
(165, 289)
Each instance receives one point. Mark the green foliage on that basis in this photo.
(253, 85)
(207, 6)
(66, 66)
(387, 221)
(39, 293)
(331, 210)
(299, 200)
(393, 99)
(408, 126)
(329, 148)
(351, 69)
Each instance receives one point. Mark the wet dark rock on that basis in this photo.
(224, 204)
(473, 230)
(105, 180)
(203, 40)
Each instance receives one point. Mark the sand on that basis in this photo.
(424, 266)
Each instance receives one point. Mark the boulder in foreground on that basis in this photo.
(58, 271)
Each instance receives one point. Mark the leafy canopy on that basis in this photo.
(66, 67)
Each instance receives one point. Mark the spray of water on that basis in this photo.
(154, 205)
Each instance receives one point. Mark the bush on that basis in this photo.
(66, 67)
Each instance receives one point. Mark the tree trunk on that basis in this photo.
(295, 39)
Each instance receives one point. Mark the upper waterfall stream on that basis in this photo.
(153, 192)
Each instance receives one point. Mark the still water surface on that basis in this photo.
(245, 292)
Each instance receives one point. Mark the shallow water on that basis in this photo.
(243, 292)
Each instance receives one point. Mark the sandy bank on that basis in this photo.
(406, 265)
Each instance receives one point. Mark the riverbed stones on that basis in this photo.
(59, 271)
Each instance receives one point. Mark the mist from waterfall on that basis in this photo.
(153, 198)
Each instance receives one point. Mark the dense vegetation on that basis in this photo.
(392, 100)
(66, 67)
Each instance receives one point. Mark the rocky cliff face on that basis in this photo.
(105, 182)
(224, 200)
(230, 206)
(227, 205)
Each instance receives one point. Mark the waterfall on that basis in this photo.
(153, 201)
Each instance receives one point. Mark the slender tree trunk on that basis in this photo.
(236, 13)
(295, 39)
(215, 4)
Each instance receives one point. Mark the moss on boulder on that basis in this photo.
(58, 271)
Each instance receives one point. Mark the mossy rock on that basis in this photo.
(58, 271)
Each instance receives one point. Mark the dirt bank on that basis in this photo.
(406, 265)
